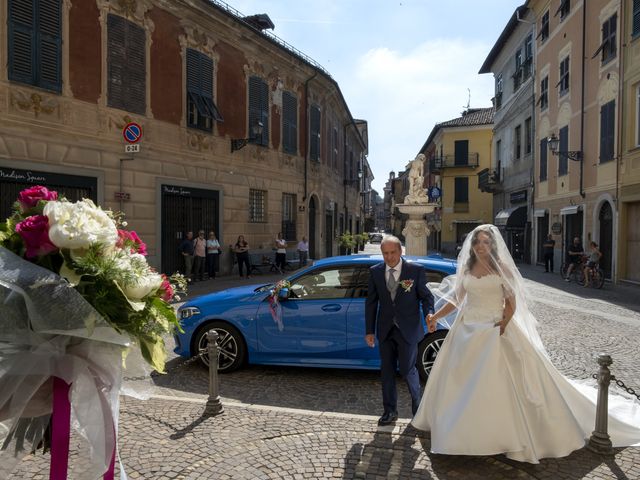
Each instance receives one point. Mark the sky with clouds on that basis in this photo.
(402, 65)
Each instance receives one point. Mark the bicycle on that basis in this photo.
(577, 274)
(596, 277)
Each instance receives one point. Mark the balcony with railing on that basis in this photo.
(489, 181)
(454, 161)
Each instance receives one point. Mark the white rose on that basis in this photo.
(143, 286)
(79, 225)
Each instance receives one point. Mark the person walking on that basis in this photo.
(547, 250)
(303, 251)
(186, 249)
(493, 389)
(241, 249)
(396, 291)
(213, 254)
(200, 256)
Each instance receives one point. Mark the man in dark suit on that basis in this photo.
(397, 288)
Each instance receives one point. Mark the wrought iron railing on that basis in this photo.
(274, 38)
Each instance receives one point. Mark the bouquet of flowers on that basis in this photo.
(105, 263)
(274, 302)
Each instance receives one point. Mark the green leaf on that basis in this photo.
(153, 351)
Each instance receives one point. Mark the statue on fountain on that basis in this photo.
(417, 192)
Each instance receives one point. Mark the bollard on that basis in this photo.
(600, 441)
(214, 405)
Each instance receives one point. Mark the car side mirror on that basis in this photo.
(283, 294)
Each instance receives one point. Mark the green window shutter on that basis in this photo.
(607, 129)
(543, 159)
(563, 161)
(289, 123)
(126, 65)
(461, 186)
(116, 62)
(137, 69)
(259, 108)
(49, 45)
(21, 41)
(314, 130)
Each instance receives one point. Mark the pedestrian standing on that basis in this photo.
(213, 254)
(241, 249)
(547, 251)
(186, 249)
(199, 256)
(303, 251)
(281, 252)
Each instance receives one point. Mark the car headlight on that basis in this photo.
(188, 312)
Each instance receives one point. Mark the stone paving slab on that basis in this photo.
(168, 438)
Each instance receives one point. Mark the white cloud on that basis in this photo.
(403, 96)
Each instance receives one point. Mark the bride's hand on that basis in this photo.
(503, 325)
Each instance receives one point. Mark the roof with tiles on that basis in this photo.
(470, 117)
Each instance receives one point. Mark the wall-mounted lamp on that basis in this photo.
(254, 134)
(554, 142)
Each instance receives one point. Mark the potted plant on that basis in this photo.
(347, 243)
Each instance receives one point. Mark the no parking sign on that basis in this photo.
(132, 132)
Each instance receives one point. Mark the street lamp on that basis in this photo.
(254, 134)
(554, 143)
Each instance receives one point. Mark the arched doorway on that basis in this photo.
(605, 217)
(312, 228)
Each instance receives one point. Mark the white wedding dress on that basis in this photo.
(490, 394)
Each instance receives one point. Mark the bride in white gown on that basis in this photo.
(493, 388)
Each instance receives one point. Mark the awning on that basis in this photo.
(514, 217)
(539, 212)
(571, 210)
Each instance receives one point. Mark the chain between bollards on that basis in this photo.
(600, 441)
(214, 405)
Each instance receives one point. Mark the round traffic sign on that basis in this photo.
(132, 132)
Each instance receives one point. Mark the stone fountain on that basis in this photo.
(416, 205)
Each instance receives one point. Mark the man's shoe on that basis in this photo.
(388, 418)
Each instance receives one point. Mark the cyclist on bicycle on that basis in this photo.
(592, 262)
(574, 254)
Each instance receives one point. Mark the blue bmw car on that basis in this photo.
(320, 323)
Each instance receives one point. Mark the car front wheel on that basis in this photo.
(231, 346)
(428, 349)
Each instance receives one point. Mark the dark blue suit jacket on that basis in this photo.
(381, 309)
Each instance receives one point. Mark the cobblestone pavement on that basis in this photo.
(264, 432)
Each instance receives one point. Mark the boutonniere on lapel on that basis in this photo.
(406, 284)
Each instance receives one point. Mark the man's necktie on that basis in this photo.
(392, 283)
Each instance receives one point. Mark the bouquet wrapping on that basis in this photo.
(76, 296)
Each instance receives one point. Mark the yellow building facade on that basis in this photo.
(629, 171)
(458, 150)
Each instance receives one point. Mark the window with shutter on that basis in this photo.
(563, 161)
(34, 31)
(607, 130)
(201, 109)
(517, 142)
(635, 27)
(289, 123)
(543, 159)
(259, 109)
(461, 194)
(544, 27)
(544, 93)
(314, 133)
(528, 132)
(564, 76)
(126, 65)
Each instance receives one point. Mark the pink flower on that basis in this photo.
(140, 245)
(132, 241)
(167, 289)
(34, 232)
(30, 197)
